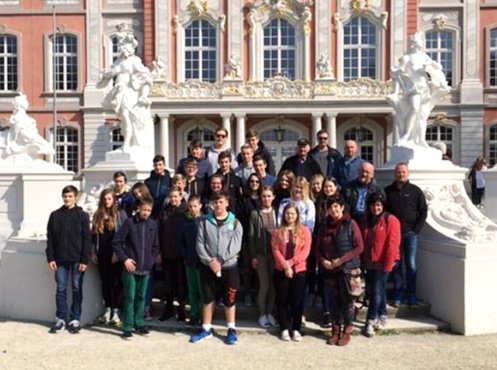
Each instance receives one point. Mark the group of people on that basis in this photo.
(225, 221)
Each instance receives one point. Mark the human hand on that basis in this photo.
(158, 260)
(114, 259)
(94, 258)
(214, 265)
(327, 265)
(52, 266)
(255, 264)
(82, 267)
(289, 273)
(129, 265)
(337, 262)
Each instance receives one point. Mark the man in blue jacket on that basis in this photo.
(158, 183)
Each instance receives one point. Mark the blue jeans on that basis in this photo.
(61, 278)
(408, 248)
(377, 280)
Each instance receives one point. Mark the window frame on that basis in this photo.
(279, 48)
(200, 49)
(438, 50)
(18, 64)
(488, 32)
(456, 140)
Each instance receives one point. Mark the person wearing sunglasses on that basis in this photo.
(302, 164)
(221, 144)
(326, 156)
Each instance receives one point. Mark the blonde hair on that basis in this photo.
(177, 178)
(105, 218)
(316, 178)
(296, 230)
(300, 181)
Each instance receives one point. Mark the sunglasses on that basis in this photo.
(323, 138)
(221, 136)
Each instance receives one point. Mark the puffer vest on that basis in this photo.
(342, 244)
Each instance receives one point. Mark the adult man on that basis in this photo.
(259, 148)
(212, 152)
(260, 166)
(301, 164)
(219, 241)
(124, 197)
(246, 168)
(326, 156)
(407, 202)
(348, 166)
(357, 192)
(232, 183)
(158, 183)
(194, 183)
(195, 151)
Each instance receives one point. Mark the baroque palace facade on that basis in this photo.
(285, 68)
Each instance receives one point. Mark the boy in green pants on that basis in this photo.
(186, 244)
(136, 246)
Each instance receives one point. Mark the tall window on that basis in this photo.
(67, 148)
(493, 57)
(279, 49)
(359, 49)
(115, 48)
(200, 51)
(364, 139)
(66, 62)
(116, 138)
(492, 154)
(440, 47)
(8, 63)
(436, 133)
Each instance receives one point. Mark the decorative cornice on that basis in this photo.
(359, 7)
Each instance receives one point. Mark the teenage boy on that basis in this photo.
(232, 183)
(260, 167)
(194, 183)
(136, 246)
(195, 152)
(68, 251)
(220, 146)
(187, 238)
(219, 241)
(252, 138)
(246, 168)
(124, 196)
(158, 183)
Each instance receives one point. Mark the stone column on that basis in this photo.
(240, 131)
(316, 126)
(227, 125)
(471, 86)
(471, 135)
(398, 32)
(331, 128)
(164, 138)
(307, 54)
(252, 54)
(162, 34)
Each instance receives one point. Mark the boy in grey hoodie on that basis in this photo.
(219, 241)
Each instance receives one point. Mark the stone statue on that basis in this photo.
(128, 97)
(157, 69)
(419, 83)
(233, 69)
(324, 67)
(24, 143)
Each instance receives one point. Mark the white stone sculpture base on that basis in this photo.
(456, 256)
(27, 286)
(490, 199)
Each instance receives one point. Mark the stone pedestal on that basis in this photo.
(27, 286)
(490, 199)
(456, 254)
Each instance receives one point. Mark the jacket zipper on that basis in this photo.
(143, 246)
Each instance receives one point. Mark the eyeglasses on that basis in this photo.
(221, 136)
(322, 138)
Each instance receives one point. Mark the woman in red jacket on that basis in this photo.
(338, 247)
(382, 241)
(291, 245)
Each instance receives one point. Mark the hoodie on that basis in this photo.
(158, 185)
(187, 238)
(221, 242)
(168, 230)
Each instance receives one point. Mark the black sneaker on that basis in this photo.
(74, 327)
(327, 320)
(127, 335)
(193, 323)
(58, 326)
(166, 316)
(181, 315)
(142, 331)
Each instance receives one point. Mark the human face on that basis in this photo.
(366, 174)
(216, 185)
(224, 165)
(254, 183)
(191, 170)
(144, 211)
(108, 200)
(290, 216)
(175, 198)
(220, 206)
(120, 183)
(221, 138)
(350, 149)
(329, 188)
(69, 199)
(401, 174)
(303, 150)
(138, 194)
(180, 184)
(323, 140)
(194, 207)
(196, 152)
(298, 191)
(284, 182)
(336, 211)
(247, 156)
(260, 167)
(316, 186)
(376, 208)
(267, 198)
(253, 142)
(159, 168)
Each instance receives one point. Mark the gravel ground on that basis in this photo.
(29, 346)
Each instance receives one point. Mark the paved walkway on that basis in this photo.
(29, 346)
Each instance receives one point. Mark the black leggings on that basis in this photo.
(289, 295)
(110, 275)
(175, 282)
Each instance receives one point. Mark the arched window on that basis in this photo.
(365, 141)
(200, 51)
(116, 138)
(8, 63)
(493, 58)
(67, 148)
(436, 133)
(440, 47)
(66, 62)
(359, 49)
(492, 141)
(279, 49)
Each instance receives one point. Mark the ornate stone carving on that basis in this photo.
(191, 89)
(306, 20)
(384, 19)
(222, 22)
(336, 21)
(359, 6)
(233, 69)
(251, 22)
(451, 208)
(279, 88)
(175, 23)
(3, 29)
(323, 66)
(157, 69)
(440, 21)
(197, 8)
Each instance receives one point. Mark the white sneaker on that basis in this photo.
(105, 318)
(263, 322)
(285, 336)
(271, 320)
(368, 329)
(115, 320)
(297, 337)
